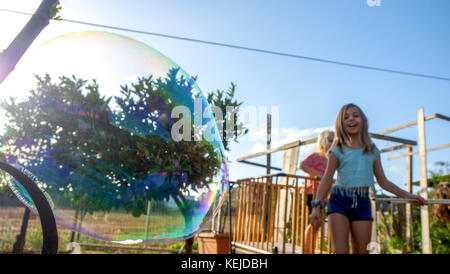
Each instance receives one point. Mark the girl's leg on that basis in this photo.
(308, 239)
(340, 228)
(308, 231)
(361, 233)
(310, 234)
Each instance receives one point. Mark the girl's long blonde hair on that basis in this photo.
(323, 145)
(341, 137)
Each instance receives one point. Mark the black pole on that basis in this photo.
(48, 223)
(20, 242)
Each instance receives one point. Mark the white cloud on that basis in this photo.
(396, 169)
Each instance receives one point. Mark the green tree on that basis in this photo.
(229, 127)
(440, 173)
(98, 158)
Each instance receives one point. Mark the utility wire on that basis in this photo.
(246, 48)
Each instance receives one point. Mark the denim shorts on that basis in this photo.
(339, 203)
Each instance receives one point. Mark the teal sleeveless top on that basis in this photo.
(355, 170)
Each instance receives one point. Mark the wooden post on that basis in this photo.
(298, 216)
(285, 220)
(75, 223)
(409, 180)
(256, 218)
(250, 213)
(147, 222)
(270, 224)
(289, 167)
(294, 217)
(269, 139)
(424, 216)
(277, 212)
(268, 171)
(262, 235)
(322, 231)
(304, 221)
(239, 237)
(313, 230)
(374, 215)
(246, 211)
(238, 213)
(188, 245)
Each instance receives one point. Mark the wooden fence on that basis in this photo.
(263, 226)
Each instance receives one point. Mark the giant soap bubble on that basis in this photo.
(119, 138)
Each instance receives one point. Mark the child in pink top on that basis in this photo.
(315, 165)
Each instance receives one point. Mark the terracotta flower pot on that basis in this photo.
(212, 243)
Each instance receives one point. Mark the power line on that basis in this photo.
(247, 48)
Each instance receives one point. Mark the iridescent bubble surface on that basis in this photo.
(120, 139)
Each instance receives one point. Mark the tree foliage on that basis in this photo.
(229, 127)
(104, 153)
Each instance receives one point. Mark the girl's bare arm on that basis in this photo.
(391, 187)
(327, 178)
(308, 170)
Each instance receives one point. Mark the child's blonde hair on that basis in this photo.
(323, 143)
(342, 138)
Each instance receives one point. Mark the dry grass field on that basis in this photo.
(105, 224)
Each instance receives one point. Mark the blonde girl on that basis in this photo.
(357, 160)
(315, 165)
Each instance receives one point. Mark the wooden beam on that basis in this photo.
(269, 151)
(250, 249)
(436, 115)
(380, 135)
(443, 117)
(389, 149)
(281, 148)
(408, 201)
(393, 139)
(416, 152)
(259, 165)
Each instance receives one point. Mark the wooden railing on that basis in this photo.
(261, 225)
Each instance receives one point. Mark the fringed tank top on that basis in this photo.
(355, 172)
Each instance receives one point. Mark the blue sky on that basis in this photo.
(407, 35)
